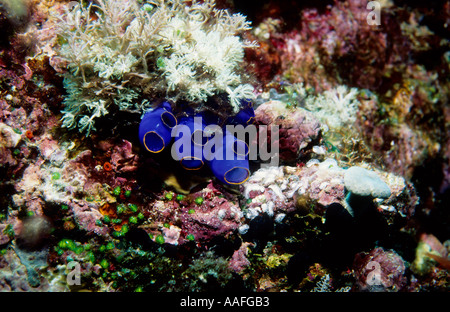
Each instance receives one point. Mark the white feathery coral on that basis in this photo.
(177, 50)
(336, 107)
(238, 93)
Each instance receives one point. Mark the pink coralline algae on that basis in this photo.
(54, 180)
(276, 190)
(123, 158)
(379, 270)
(78, 183)
(401, 141)
(4, 238)
(13, 275)
(340, 41)
(297, 128)
(217, 214)
(26, 106)
(239, 261)
(8, 141)
(28, 190)
(87, 215)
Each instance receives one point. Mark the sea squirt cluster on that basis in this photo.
(195, 145)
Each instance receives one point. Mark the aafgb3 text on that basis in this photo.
(228, 302)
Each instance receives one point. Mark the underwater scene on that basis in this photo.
(224, 145)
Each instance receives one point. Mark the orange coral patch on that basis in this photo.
(107, 166)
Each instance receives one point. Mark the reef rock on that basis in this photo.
(380, 270)
(297, 128)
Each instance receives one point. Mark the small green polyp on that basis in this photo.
(199, 200)
(160, 239)
(147, 7)
(133, 207)
(120, 208)
(104, 264)
(124, 229)
(169, 195)
(117, 191)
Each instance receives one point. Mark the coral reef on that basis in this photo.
(279, 190)
(355, 112)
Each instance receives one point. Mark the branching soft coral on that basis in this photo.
(202, 60)
(117, 50)
(336, 107)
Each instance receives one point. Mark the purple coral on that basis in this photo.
(379, 270)
(239, 261)
(123, 158)
(297, 128)
(87, 217)
(216, 216)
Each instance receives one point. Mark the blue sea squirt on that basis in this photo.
(199, 140)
